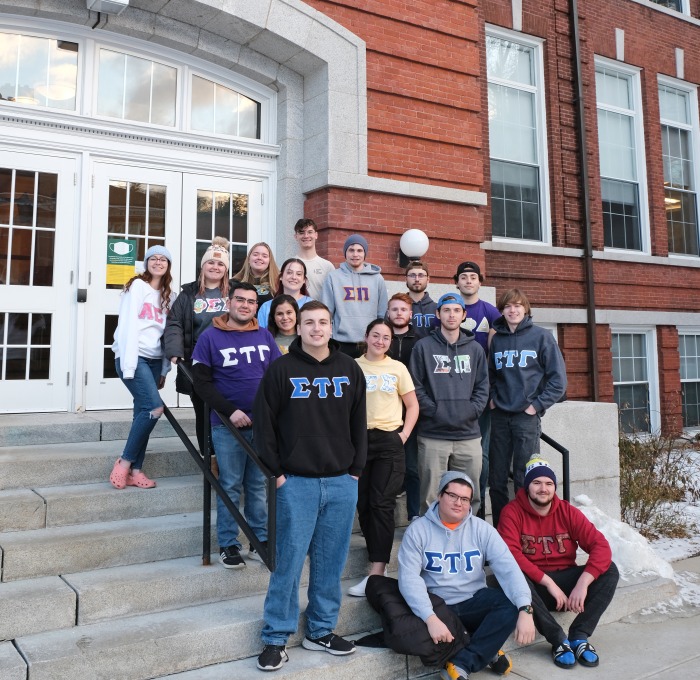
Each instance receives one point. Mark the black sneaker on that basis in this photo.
(253, 554)
(501, 663)
(231, 558)
(272, 657)
(331, 643)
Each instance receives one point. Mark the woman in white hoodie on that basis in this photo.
(140, 362)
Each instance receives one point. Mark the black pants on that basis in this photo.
(352, 349)
(198, 406)
(600, 594)
(379, 483)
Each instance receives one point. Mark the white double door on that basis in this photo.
(57, 310)
(149, 207)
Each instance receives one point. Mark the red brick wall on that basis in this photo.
(669, 379)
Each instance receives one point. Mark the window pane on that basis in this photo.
(681, 219)
(164, 95)
(156, 210)
(110, 90)
(248, 117)
(116, 213)
(613, 88)
(509, 61)
(515, 201)
(617, 147)
(512, 130)
(43, 258)
(672, 4)
(137, 90)
(46, 200)
(21, 257)
(621, 215)
(24, 198)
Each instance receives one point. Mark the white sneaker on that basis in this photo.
(358, 590)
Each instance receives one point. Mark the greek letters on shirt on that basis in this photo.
(210, 305)
(152, 313)
(513, 357)
(451, 562)
(387, 384)
(549, 543)
(322, 388)
(422, 320)
(471, 325)
(356, 294)
(231, 354)
(462, 363)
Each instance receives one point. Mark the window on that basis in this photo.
(677, 142)
(38, 71)
(633, 391)
(218, 109)
(516, 138)
(132, 88)
(689, 350)
(678, 5)
(621, 157)
(25, 346)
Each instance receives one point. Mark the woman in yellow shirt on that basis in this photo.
(389, 390)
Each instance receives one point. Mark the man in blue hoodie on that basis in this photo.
(356, 294)
(527, 376)
(444, 553)
(452, 385)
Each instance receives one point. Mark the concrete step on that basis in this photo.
(29, 467)
(12, 665)
(170, 584)
(65, 550)
(152, 645)
(61, 428)
(21, 510)
(82, 503)
(35, 605)
(365, 664)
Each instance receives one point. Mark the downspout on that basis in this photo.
(588, 245)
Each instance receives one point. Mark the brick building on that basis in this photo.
(458, 117)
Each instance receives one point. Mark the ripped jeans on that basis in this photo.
(148, 407)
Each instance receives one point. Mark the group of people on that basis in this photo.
(349, 397)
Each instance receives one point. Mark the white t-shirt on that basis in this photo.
(316, 271)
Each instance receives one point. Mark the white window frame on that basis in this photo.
(186, 65)
(687, 330)
(694, 128)
(536, 44)
(685, 7)
(652, 370)
(634, 74)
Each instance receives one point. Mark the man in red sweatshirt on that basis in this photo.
(543, 532)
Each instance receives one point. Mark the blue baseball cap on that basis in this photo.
(451, 299)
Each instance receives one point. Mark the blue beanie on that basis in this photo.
(156, 250)
(538, 467)
(355, 240)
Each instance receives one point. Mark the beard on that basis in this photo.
(541, 504)
(396, 325)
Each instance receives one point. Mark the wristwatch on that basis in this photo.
(526, 608)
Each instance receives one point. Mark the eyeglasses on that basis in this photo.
(244, 301)
(159, 260)
(464, 500)
(416, 276)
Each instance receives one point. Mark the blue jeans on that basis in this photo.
(238, 472)
(314, 517)
(144, 389)
(489, 617)
(514, 438)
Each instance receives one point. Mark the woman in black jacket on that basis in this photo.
(193, 311)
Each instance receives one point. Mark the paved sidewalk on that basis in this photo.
(660, 644)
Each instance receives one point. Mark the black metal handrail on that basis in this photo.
(565, 462)
(267, 553)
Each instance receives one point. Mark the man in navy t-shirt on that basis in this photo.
(480, 318)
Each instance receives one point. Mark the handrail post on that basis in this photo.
(206, 490)
(565, 462)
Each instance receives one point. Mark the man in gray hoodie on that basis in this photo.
(356, 294)
(444, 553)
(452, 385)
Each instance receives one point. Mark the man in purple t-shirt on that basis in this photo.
(480, 318)
(228, 363)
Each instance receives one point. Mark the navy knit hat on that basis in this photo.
(537, 467)
(355, 239)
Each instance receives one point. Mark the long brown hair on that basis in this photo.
(271, 277)
(165, 289)
(292, 260)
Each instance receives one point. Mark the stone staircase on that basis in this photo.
(108, 585)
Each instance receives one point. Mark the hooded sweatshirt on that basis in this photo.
(545, 544)
(355, 299)
(525, 367)
(450, 562)
(310, 416)
(140, 328)
(228, 364)
(424, 315)
(452, 386)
